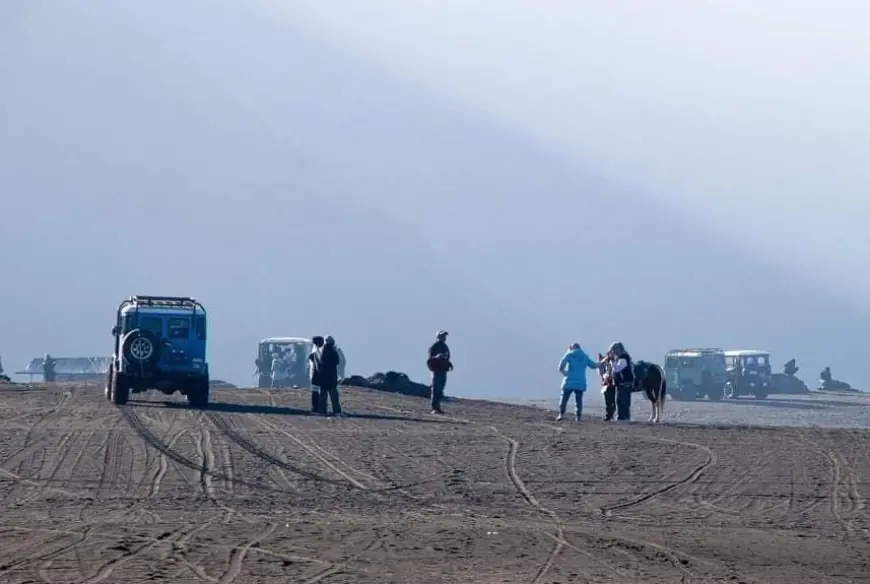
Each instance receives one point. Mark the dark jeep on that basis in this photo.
(748, 373)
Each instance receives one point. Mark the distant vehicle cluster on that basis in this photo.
(717, 374)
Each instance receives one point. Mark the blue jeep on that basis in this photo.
(159, 344)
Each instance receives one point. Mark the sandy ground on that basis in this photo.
(816, 409)
(255, 491)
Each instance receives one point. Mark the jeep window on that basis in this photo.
(152, 323)
(688, 363)
(200, 328)
(711, 361)
(179, 328)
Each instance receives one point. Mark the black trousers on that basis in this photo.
(328, 392)
(617, 400)
(623, 402)
(609, 402)
(439, 381)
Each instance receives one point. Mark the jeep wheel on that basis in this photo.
(730, 391)
(120, 390)
(198, 393)
(141, 346)
(761, 395)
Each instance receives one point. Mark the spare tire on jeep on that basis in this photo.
(141, 346)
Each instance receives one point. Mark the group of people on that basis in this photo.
(326, 369)
(285, 367)
(617, 375)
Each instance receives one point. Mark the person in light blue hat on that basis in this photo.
(573, 368)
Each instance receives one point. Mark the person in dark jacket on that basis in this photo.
(622, 372)
(314, 372)
(439, 364)
(328, 377)
(49, 371)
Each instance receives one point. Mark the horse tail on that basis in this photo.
(663, 388)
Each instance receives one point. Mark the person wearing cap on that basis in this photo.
(573, 368)
(328, 377)
(439, 364)
(622, 384)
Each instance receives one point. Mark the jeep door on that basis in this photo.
(185, 342)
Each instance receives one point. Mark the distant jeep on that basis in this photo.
(695, 373)
(748, 373)
(160, 344)
(293, 351)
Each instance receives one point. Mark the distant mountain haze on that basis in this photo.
(298, 189)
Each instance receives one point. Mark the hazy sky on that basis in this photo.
(677, 175)
(740, 112)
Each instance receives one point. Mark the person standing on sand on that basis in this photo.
(621, 382)
(49, 372)
(328, 377)
(573, 368)
(314, 373)
(439, 364)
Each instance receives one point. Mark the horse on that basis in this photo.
(648, 378)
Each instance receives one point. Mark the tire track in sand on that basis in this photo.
(559, 538)
(206, 454)
(510, 462)
(64, 399)
(163, 464)
(323, 456)
(338, 567)
(146, 434)
(316, 455)
(43, 555)
(837, 468)
(239, 553)
(259, 452)
(692, 477)
(108, 568)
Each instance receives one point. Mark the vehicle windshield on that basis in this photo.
(713, 362)
(756, 361)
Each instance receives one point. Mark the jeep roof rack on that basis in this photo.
(140, 300)
(697, 350)
(180, 301)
